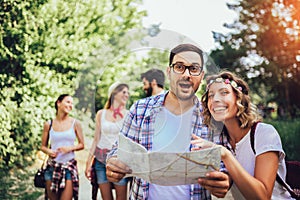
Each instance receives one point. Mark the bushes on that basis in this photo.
(17, 184)
(289, 132)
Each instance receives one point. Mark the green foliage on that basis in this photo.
(7, 109)
(289, 132)
(44, 48)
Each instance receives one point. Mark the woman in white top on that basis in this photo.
(228, 109)
(61, 133)
(108, 124)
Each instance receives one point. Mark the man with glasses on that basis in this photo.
(165, 123)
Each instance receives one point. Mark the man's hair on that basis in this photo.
(185, 47)
(156, 74)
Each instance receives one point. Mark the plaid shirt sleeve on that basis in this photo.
(198, 192)
(138, 123)
(198, 128)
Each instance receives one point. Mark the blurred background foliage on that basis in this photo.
(50, 47)
(263, 48)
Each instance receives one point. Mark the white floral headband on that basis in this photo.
(226, 81)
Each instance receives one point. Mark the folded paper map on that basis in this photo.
(168, 168)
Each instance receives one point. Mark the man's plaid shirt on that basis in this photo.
(139, 126)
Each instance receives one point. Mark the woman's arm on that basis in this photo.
(80, 138)
(96, 139)
(259, 186)
(45, 141)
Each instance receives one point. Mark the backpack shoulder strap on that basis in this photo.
(49, 132)
(252, 134)
(50, 125)
(45, 158)
(294, 193)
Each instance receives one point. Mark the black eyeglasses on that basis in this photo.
(194, 69)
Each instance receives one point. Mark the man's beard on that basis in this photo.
(185, 98)
(149, 91)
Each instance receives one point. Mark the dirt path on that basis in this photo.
(85, 189)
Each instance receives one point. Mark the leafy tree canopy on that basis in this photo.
(264, 47)
(44, 51)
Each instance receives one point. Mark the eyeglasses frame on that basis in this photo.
(186, 67)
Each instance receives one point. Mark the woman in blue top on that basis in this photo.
(61, 174)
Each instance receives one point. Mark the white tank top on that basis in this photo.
(109, 132)
(61, 139)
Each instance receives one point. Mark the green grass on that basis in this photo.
(17, 184)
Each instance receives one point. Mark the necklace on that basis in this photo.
(116, 111)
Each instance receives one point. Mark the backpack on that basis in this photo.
(293, 171)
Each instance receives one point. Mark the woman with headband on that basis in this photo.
(252, 163)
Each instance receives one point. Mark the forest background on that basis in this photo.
(50, 47)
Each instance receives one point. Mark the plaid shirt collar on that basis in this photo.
(159, 102)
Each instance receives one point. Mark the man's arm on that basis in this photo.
(116, 170)
(218, 183)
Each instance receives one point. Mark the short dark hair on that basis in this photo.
(185, 47)
(156, 74)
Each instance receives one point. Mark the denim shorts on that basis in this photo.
(101, 174)
(49, 172)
